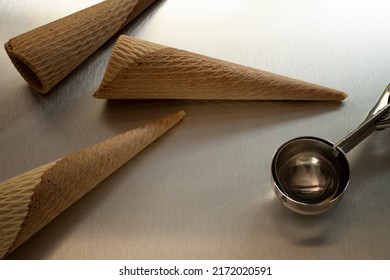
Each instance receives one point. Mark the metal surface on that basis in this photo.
(203, 190)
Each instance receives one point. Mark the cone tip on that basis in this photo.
(343, 95)
(337, 95)
(181, 114)
(177, 116)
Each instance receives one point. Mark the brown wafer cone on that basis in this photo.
(45, 55)
(143, 70)
(31, 200)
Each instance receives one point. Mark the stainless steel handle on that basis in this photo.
(384, 121)
(378, 118)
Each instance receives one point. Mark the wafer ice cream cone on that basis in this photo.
(47, 54)
(31, 200)
(139, 69)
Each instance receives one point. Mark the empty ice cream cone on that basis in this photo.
(31, 200)
(139, 69)
(45, 55)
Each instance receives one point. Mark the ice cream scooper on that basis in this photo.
(310, 174)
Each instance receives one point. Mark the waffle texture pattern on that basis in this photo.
(31, 200)
(143, 70)
(47, 54)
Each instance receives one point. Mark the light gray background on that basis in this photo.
(203, 191)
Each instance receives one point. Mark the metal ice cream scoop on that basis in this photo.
(310, 174)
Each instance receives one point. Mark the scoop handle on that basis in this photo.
(383, 121)
(377, 118)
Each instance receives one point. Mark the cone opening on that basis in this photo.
(27, 73)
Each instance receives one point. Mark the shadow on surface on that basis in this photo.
(204, 112)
